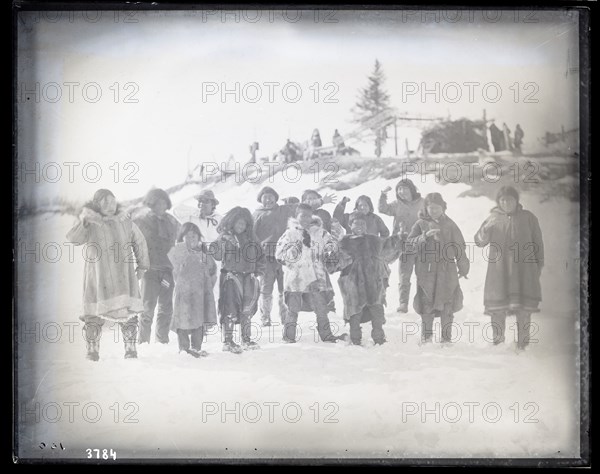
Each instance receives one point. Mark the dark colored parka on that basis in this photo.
(270, 224)
(375, 224)
(515, 259)
(325, 218)
(364, 276)
(160, 234)
(405, 213)
(237, 254)
(438, 263)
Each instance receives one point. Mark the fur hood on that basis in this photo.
(498, 210)
(262, 208)
(294, 224)
(305, 268)
(95, 217)
(423, 214)
(367, 199)
(410, 185)
(139, 213)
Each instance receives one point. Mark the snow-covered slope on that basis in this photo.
(308, 399)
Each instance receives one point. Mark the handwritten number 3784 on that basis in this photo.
(101, 454)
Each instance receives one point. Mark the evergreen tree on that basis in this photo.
(373, 101)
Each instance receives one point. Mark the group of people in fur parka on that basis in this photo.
(296, 247)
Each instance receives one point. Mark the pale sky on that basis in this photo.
(165, 59)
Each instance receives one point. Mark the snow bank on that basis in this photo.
(309, 399)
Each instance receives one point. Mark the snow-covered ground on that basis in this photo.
(309, 399)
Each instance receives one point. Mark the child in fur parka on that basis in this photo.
(364, 205)
(441, 260)
(303, 250)
(405, 211)
(194, 272)
(242, 263)
(364, 278)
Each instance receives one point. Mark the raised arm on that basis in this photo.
(340, 215)
(80, 232)
(383, 206)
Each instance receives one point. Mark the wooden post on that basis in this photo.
(488, 134)
(396, 135)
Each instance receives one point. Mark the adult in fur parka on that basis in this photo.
(110, 284)
(515, 261)
(441, 259)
